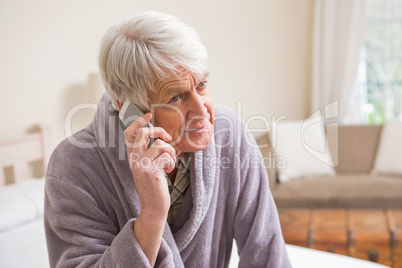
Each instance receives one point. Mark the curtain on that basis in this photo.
(338, 38)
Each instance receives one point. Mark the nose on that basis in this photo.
(196, 107)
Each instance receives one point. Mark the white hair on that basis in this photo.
(147, 48)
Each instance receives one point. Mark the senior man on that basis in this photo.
(179, 201)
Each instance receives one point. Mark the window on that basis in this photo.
(379, 91)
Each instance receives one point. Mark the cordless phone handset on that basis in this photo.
(129, 112)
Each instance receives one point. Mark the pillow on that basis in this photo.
(389, 153)
(21, 202)
(302, 147)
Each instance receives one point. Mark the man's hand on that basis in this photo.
(148, 166)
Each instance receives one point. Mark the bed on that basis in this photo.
(23, 163)
(22, 237)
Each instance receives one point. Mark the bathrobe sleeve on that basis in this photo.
(80, 234)
(257, 229)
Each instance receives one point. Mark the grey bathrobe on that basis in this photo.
(91, 202)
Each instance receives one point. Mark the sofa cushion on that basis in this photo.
(389, 154)
(302, 146)
(356, 147)
(341, 191)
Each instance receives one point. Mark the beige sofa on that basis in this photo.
(353, 186)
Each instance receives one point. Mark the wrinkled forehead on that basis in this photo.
(180, 80)
(181, 77)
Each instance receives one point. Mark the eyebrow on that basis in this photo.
(173, 91)
(177, 89)
(204, 76)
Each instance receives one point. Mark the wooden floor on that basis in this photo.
(374, 235)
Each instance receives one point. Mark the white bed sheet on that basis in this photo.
(310, 258)
(24, 246)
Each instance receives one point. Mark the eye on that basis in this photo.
(174, 99)
(201, 84)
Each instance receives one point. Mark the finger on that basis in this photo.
(132, 129)
(137, 136)
(165, 162)
(160, 147)
(149, 159)
(145, 134)
(152, 133)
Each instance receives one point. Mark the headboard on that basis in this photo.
(18, 154)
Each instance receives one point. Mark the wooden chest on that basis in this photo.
(395, 222)
(329, 235)
(374, 235)
(370, 237)
(295, 226)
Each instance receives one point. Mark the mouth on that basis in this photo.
(195, 130)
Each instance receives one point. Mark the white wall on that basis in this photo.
(260, 54)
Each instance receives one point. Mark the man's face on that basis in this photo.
(183, 106)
